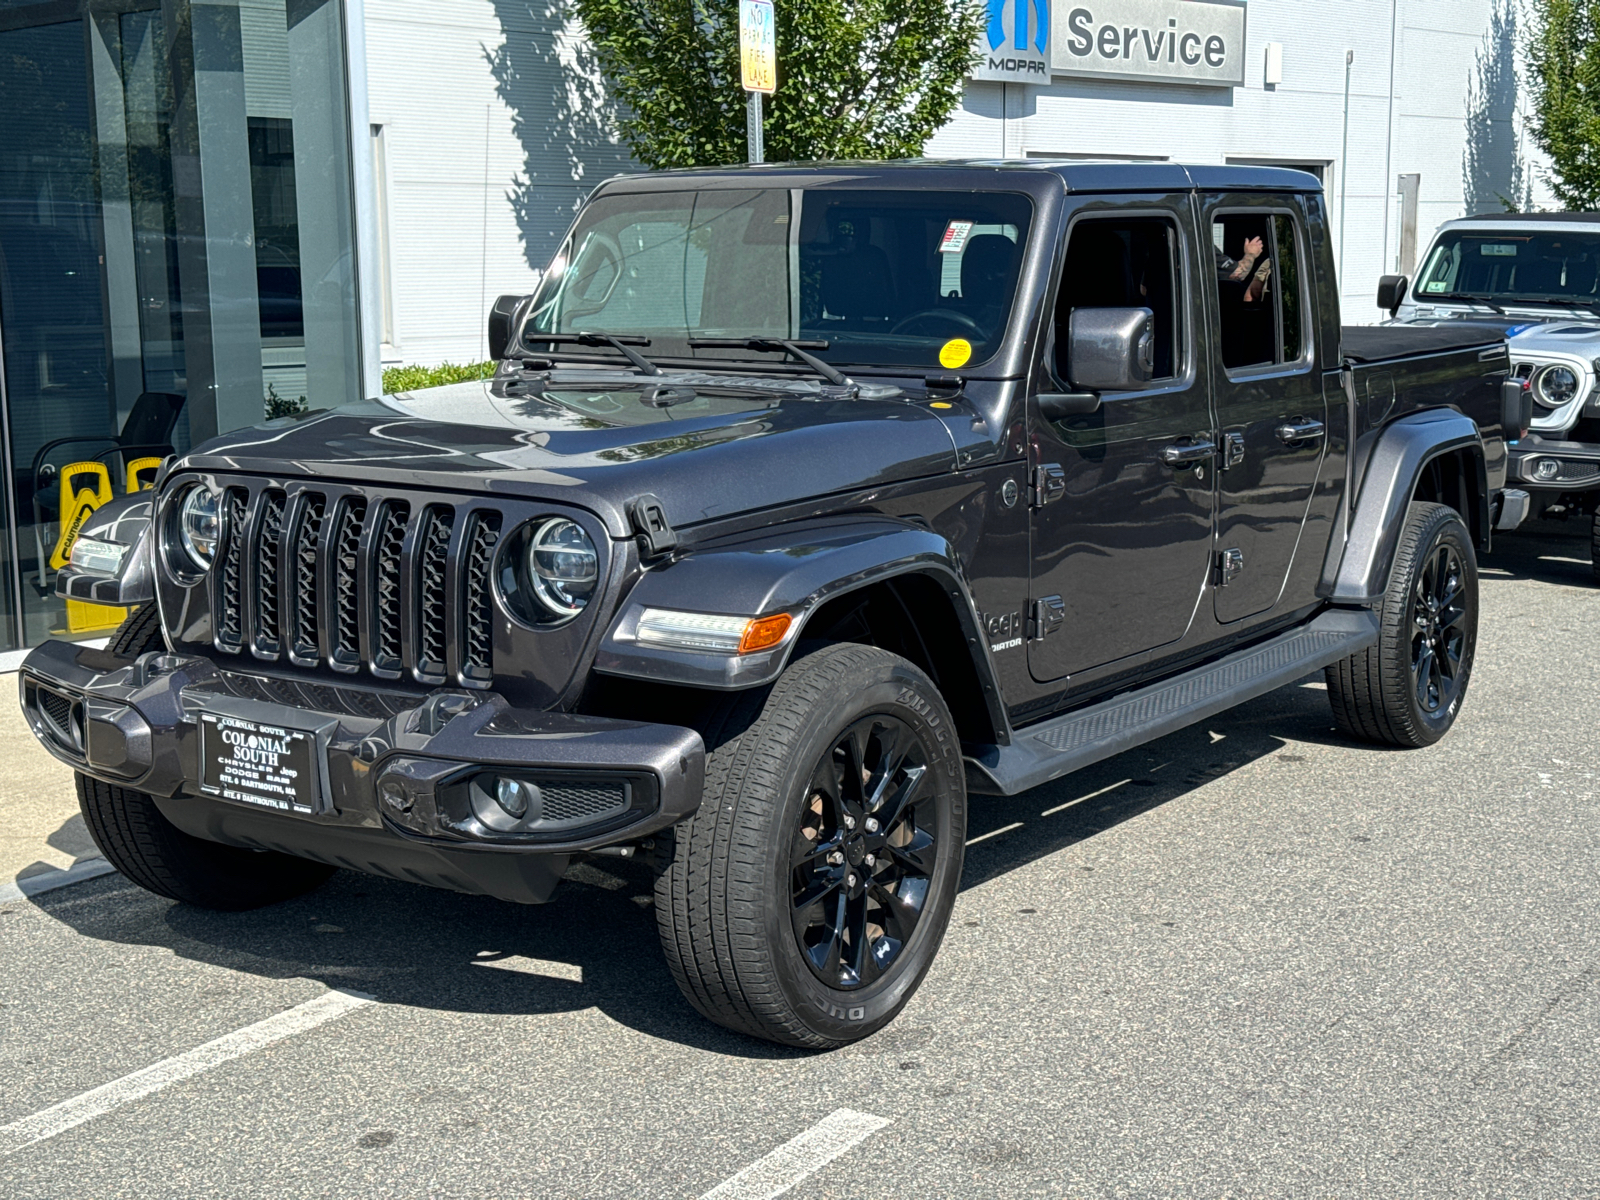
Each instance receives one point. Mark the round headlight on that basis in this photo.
(1555, 386)
(563, 567)
(200, 525)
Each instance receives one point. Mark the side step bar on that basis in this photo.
(1076, 739)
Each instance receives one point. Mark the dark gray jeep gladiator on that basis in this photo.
(805, 502)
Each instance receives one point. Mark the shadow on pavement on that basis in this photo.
(594, 945)
(1548, 551)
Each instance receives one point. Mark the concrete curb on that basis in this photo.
(49, 881)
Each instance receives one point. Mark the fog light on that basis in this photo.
(516, 797)
(1546, 468)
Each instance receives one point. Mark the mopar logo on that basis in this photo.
(1015, 14)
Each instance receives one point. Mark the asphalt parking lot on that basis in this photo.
(1248, 960)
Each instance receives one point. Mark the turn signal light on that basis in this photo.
(764, 633)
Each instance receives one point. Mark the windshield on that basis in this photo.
(885, 278)
(1555, 267)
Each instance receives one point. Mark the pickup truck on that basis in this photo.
(806, 503)
(1535, 277)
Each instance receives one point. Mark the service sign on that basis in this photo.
(1153, 41)
(758, 46)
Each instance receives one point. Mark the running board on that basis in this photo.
(1076, 739)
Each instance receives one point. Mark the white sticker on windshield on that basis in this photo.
(1438, 285)
(955, 237)
(1498, 250)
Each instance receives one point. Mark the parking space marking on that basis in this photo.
(569, 972)
(799, 1157)
(59, 1118)
(984, 837)
(49, 881)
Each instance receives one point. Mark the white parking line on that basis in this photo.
(798, 1158)
(59, 1118)
(984, 837)
(49, 881)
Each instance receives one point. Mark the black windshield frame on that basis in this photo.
(888, 277)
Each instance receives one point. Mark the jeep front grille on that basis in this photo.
(357, 580)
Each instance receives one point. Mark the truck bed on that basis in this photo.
(1381, 343)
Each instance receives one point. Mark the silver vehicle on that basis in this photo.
(1537, 277)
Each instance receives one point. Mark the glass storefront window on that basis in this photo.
(176, 252)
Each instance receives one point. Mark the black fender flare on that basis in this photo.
(1398, 458)
(792, 568)
(125, 521)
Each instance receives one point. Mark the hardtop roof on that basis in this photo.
(1076, 175)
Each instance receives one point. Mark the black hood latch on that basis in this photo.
(649, 517)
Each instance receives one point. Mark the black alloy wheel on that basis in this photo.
(1439, 632)
(864, 853)
(1408, 689)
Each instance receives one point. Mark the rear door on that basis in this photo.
(1272, 416)
(1121, 540)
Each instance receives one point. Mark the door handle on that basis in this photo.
(1187, 453)
(1302, 430)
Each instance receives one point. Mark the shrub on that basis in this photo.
(413, 378)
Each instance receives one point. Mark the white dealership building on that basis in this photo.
(488, 149)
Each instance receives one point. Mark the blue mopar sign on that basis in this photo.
(1015, 48)
(1015, 12)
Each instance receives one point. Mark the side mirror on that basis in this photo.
(501, 316)
(1516, 408)
(1392, 292)
(1111, 349)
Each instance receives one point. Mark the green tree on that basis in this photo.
(856, 78)
(1564, 79)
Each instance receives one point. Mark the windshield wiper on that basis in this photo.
(1473, 298)
(1564, 301)
(622, 345)
(798, 349)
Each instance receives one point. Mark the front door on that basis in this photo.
(1272, 416)
(1121, 538)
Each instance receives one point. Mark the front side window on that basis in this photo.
(1122, 262)
(886, 278)
(1259, 293)
(1550, 268)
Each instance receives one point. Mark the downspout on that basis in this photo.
(1388, 153)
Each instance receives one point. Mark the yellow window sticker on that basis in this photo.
(955, 353)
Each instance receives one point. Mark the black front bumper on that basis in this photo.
(398, 778)
(1549, 465)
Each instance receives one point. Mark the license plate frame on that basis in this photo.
(261, 763)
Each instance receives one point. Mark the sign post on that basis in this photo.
(758, 64)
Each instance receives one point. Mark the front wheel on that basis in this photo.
(807, 897)
(1407, 690)
(1594, 544)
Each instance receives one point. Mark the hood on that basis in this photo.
(1557, 337)
(725, 451)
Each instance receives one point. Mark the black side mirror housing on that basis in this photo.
(1516, 408)
(502, 316)
(1111, 349)
(1392, 292)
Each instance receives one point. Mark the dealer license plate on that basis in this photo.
(256, 763)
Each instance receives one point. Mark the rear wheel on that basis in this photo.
(806, 899)
(158, 856)
(1407, 690)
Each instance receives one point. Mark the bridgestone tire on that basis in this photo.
(1373, 693)
(724, 901)
(158, 856)
(139, 634)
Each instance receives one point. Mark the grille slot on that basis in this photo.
(304, 650)
(433, 552)
(477, 651)
(269, 629)
(230, 572)
(353, 581)
(387, 607)
(575, 801)
(345, 644)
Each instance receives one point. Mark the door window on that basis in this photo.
(1124, 262)
(1259, 295)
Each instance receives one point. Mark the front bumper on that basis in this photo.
(398, 788)
(1551, 465)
